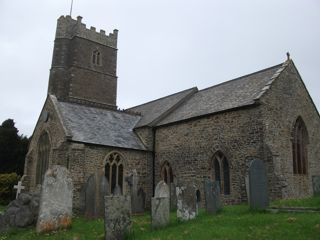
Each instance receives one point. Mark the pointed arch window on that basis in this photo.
(166, 173)
(221, 172)
(96, 57)
(114, 171)
(299, 147)
(43, 157)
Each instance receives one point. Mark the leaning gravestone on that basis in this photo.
(212, 196)
(117, 217)
(186, 201)
(95, 189)
(258, 188)
(316, 185)
(160, 206)
(56, 200)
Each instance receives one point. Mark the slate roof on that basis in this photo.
(154, 111)
(98, 126)
(240, 92)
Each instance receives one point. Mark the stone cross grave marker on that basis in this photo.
(160, 206)
(95, 189)
(212, 196)
(258, 188)
(56, 200)
(186, 201)
(19, 187)
(316, 185)
(117, 216)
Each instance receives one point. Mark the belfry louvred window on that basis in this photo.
(221, 172)
(96, 57)
(114, 171)
(299, 147)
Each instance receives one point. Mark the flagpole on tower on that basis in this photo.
(71, 7)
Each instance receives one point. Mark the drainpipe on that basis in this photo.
(153, 160)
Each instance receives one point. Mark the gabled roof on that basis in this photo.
(236, 93)
(152, 112)
(98, 126)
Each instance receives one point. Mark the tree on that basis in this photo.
(13, 148)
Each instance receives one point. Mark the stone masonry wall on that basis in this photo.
(189, 148)
(284, 103)
(56, 135)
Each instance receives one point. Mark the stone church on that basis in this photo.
(187, 136)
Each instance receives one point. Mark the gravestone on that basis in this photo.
(56, 200)
(258, 188)
(316, 185)
(186, 201)
(173, 196)
(160, 206)
(212, 196)
(137, 195)
(247, 187)
(95, 189)
(117, 217)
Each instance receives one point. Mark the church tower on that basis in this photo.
(84, 64)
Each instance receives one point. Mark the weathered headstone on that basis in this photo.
(56, 200)
(186, 201)
(95, 189)
(137, 195)
(212, 196)
(173, 196)
(160, 206)
(117, 217)
(258, 188)
(316, 185)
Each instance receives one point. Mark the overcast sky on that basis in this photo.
(164, 46)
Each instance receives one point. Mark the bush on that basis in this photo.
(7, 181)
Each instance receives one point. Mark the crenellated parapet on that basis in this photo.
(70, 28)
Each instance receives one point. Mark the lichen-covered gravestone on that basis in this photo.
(56, 200)
(95, 189)
(212, 196)
(316, 185)
(186, 201)
(137, 195)
(160, 206)
(117, 217)
(258, 188)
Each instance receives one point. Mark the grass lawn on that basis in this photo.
(313, 202)
(234, 222)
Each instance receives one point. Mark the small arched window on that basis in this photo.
(166, 173)
(43, 157)
(299, 147)
(114, 171)
(221, 172)
(96, 57)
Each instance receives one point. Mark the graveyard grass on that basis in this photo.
(233, 222)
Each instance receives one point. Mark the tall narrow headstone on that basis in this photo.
(56, 200)
(117, 217)
(137, 194)
(212, 196)
(160, 206)
(173, 196)
(258, 188)
(95, 189)
(186, 201)
(316, 185)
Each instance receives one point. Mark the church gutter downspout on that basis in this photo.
(153, 160)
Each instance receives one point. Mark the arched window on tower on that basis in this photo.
(96, 57)
(299, 147)
(221, 172)
(43, 157)
(166, 173)
(114, 171)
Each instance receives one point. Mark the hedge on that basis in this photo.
(7, 181)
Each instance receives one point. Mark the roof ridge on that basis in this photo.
(239, 78)
(267, 86)
(193, 88)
